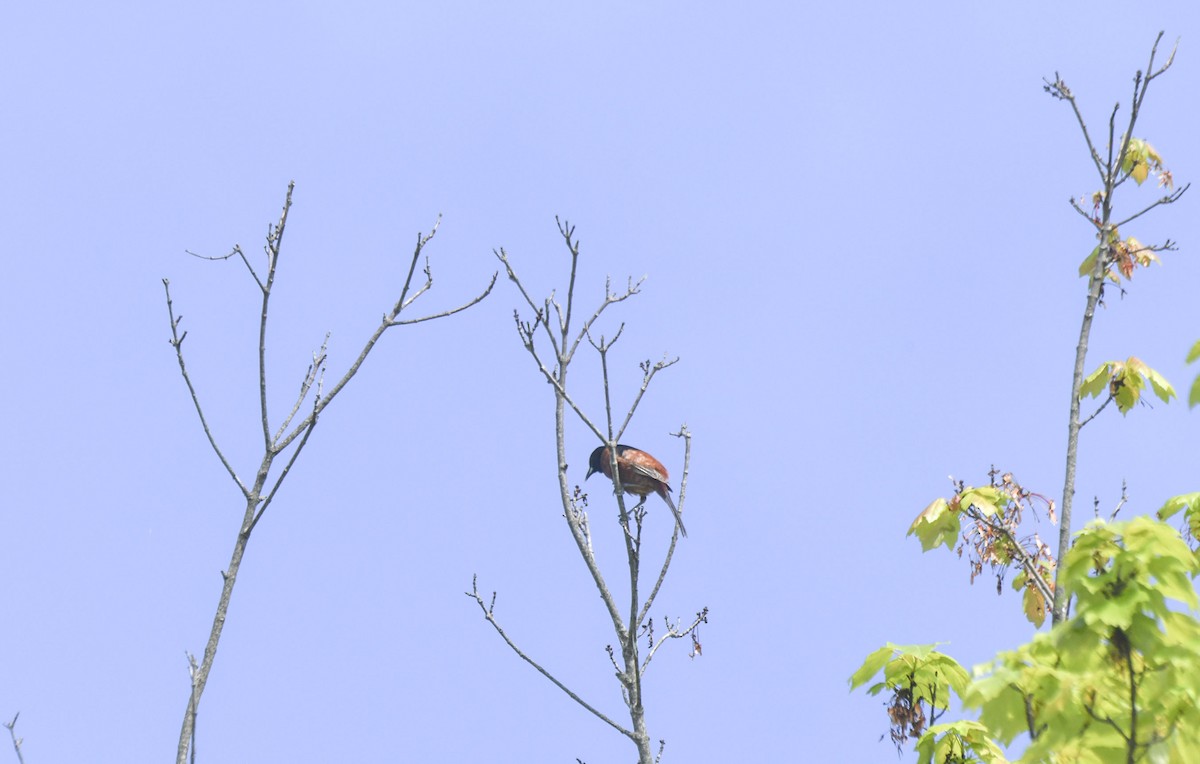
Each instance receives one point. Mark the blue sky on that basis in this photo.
(854, 225)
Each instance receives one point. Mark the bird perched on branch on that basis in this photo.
(639, 474)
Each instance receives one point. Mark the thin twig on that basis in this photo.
(648, 373)
(673, 633)
(388, 321)
(538, 311)
(1107, 401)
(1168, 199)
(491, 618)
(177, 343)
(16, 741)
(237, 250)
(451, 311)
(1086, 215)
(1059, 90)
(560, 390)
(662, 573)
(273, 246)
(1121, 503)
(568, 233)
(315, 369)
(610, 299)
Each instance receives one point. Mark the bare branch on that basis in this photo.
(315, 369)
(1058, 89)
(422, 240)
(1140, 85)
(674, 633)
(229, 580)
(662, 573)
(451, 311)
(1109, 174)
(538, 311)
(177, 342)
(273, 245)
(1095, 413)
(387, 322)
(1170, 58)
(648, 373)
(237, 250)
(553, 380)
(568, 233)
(312, 423)
(16, 741)
(602, 349)
(1087, 216)
(424, 287)
(610, 299)
(1168, 199)
(488, 613)
(213, 258)
(1121, 503)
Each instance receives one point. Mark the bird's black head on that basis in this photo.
(599, 460)
(594, 462)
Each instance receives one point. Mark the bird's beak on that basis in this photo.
(590, 472)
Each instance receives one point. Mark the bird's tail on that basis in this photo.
(678, 517)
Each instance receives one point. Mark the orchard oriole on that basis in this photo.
(639, 474)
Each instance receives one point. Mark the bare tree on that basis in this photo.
(288, 438)
(631, 620)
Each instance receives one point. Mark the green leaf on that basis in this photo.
(1097, 381)
(1140, 171)
(1177, 504)
(1162, 388)
(971, 737)
(1089, 262)
(1126, 398)
(1194, 353)
(872, 666)
(951, 671)
(1034, 605)
(1194, 395)
(920, 651)
(1004, 711)
(936, 525)
(1140, 158)
(987, 500)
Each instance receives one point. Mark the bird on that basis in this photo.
(639, 473)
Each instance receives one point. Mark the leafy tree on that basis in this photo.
(1117, 680)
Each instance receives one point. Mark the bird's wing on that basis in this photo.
(640, 465)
